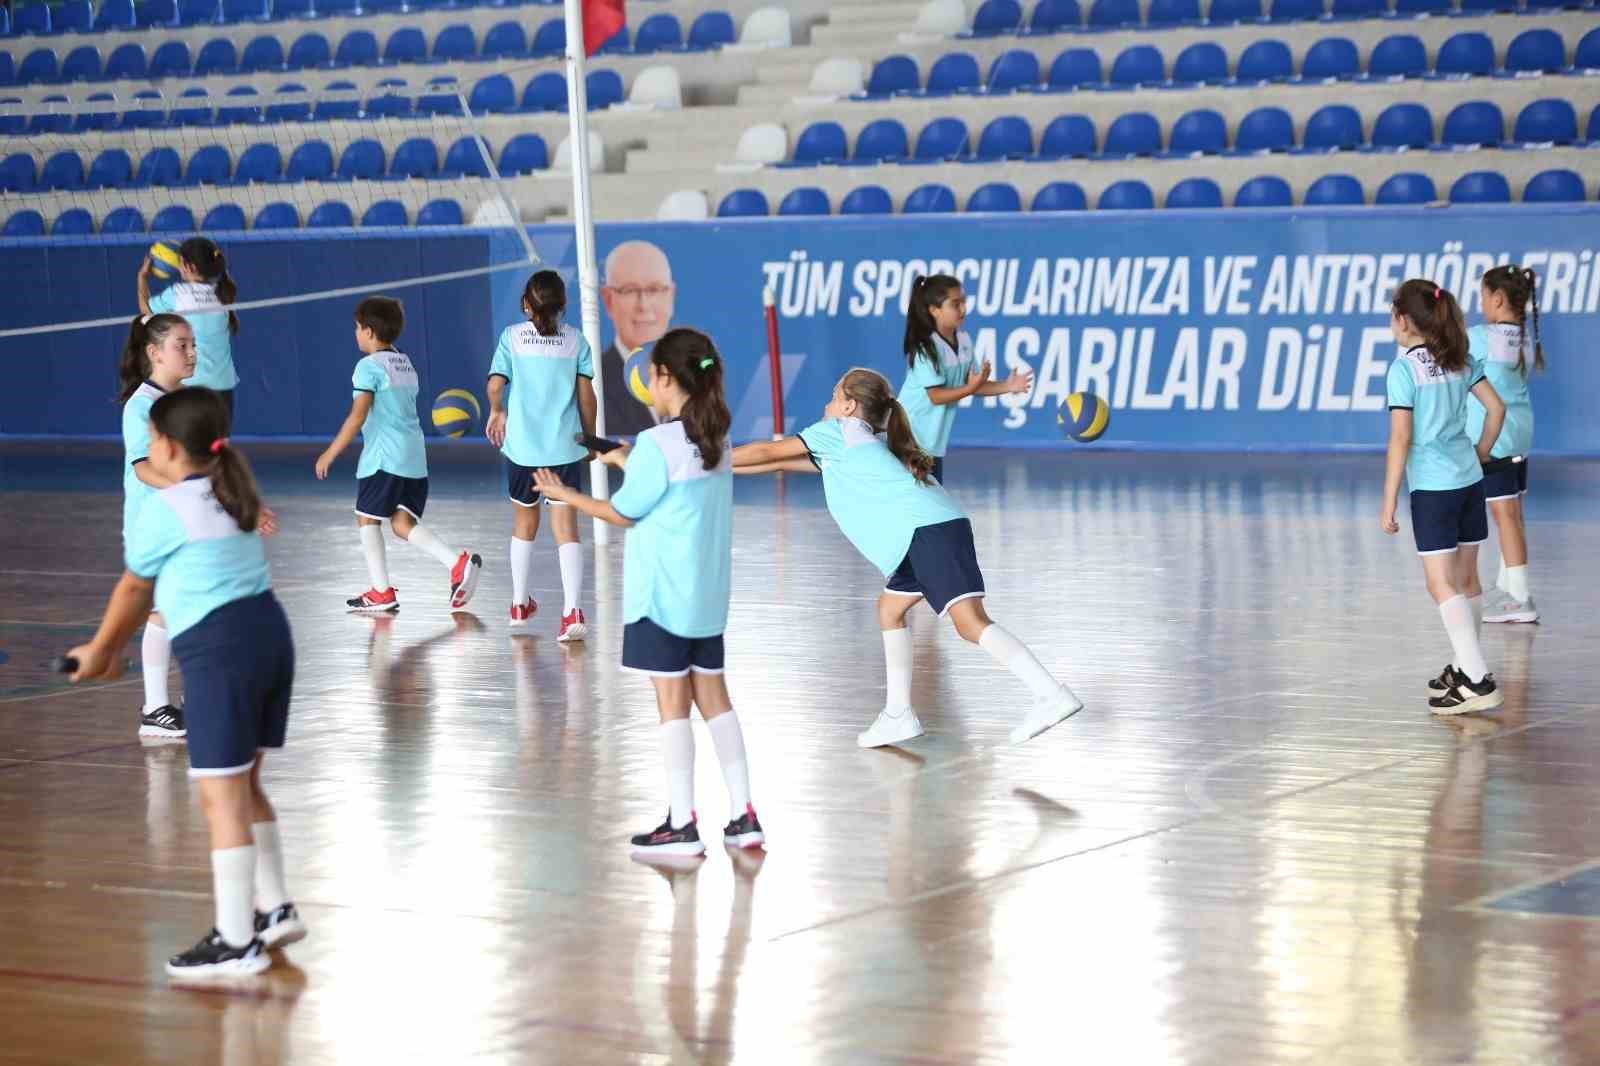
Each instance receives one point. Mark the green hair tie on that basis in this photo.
(707, 362)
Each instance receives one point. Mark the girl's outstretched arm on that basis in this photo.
(551, 486)
(769, 455)
(792, 466)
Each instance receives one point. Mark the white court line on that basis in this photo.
(1483, 903)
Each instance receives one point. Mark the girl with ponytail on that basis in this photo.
(201, 294)
(881, 491)
(194, 551)
(1428, 387)
(676, 502)
(1502, 346)
(940, 365)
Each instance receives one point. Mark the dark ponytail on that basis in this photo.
(692, 360)
(882, 411)
(134, 366)
(197, 421)
(544, 299)
(1436, 316)
(927, 292)
(1520, 287)
(202, 254)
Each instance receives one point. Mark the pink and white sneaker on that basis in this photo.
(464, 580)
(374, 602)
(574, 626)
(521, 612)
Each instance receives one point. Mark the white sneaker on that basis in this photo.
(890, 728)
(1046, 713)
(1501, 606)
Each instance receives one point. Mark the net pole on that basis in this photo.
(583, 220)
(774, 360)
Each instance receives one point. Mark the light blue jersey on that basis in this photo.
(931, 422)
(542, 422)
(876, 500)
(677, 559)
(136, 449)
(1497, 347)
(213, 345)
(196, 554)
(391, 439)
(1442, 457)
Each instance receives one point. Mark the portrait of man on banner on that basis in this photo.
(638, 295)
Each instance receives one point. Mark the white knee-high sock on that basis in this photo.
(233, 876)
(728, 739)
(1012, 654)
(677, 753)
(377, 557)
(1516, 584)
(155, 654)
(1456, 613)
(1476, 603)
(897, 662)
(422, 537)
(270, 890)
(521, 569)
(571, 558)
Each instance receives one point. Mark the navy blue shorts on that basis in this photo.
(519, 482)
(238, 670)
(1505, 479)
(649, 649)
(938, 469)
(1445, 518)
(941, 565)
(382, 494)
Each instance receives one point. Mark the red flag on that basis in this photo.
(601, 20)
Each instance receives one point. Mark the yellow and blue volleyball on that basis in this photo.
(1083, 416)
(455, 412)
(636, 375)
(164, 260)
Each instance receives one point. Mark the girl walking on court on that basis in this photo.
(881, 491)
(194, 550)
(676, 502)
(1428, 387)
(1501, 345)
(201, 295)
(940, 366)
(392, 477)
(549, 370)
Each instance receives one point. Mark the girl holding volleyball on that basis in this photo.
(880, 489)
(676, 502)
(548, 369)
(201, 295)
(939, 361)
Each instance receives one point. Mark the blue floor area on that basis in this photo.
(1576, 895)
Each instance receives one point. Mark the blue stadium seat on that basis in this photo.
(1335, 190)
(1554, 187)
(216, 57)
(996, 196)
(24, 223)
(1265, 191)
(1052, 15)
(8, 67)
(1173, 12)
(1587, 55)
(155, 13)
(1400, 56)
(199, 12)
(821, 142)
(440, 99)
(524, 154)
(261, 55)
(259, 163)
(550, 39)
(244, 10)
(123, 220)
(327, 110)
(660, 32)
(62, 172)
(211, 165)
(931, 199)
(171, 60)
(18, 173)
(1331, 57)
(440, 213)
(1069, 137)
(385, 213)
(56, 119)
(1407, 188)
(1422, 7)
(291, 9)
(1204, 63)
(1481, 187)
(546, 91)
(455, 43)
(882, 139)
(73, 222)
(363, 159)
(311, 161)
(111, 169)
(295, 111)
(867, 200)
(1265, 61)
(744, 203)
(1479, 6)
(996, 17)
(894, 74)
(358, 48)
(32, 18)
(224, 218)
(493, 95)
(1295, 10)
(1203, 131)
(341, 7)
(1139, 65)
(115, 15)
(1466, 53)
(1222, 12)
(88, 121)
(806, 200)
(81, 64)
(1132, 134)
(952, 72)
(1536, 51)
(1403, 126)
(72, 16)
(1358, 9)
(1006, 137)
(1194, 193)
(1126, 195)
(1266, 129)
(1477, 122)
(1060, 196)
(465, 159)
(405, 45)
(240, 114)
(616, 44)
(389, 104)
(278, 215)
(1016, 69)
(38, 67)
(174, 218)
(713, 29)
(603, 88)
(335, 214)
(160, 167)
(1114, 13)
(1546, 122)
(310, 51)
(1336, 127)
(505, 40)
(1076, 68)
(943, 138)
(127, 61)
(415, 158)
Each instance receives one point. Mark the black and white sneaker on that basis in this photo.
(744, 831)
(665, 840)
(1438, 686)
(214, 957)
(280, 927)
(1467, 697)
(162, 722)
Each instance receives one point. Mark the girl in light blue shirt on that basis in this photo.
(201, 294)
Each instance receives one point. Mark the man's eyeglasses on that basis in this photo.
(647, 292)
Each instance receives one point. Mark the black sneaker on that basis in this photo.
(744, 831)
(215, 957)
(280, 927)
(1468, 696)
(1438, 686)
(665, 840)
(162, 722)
